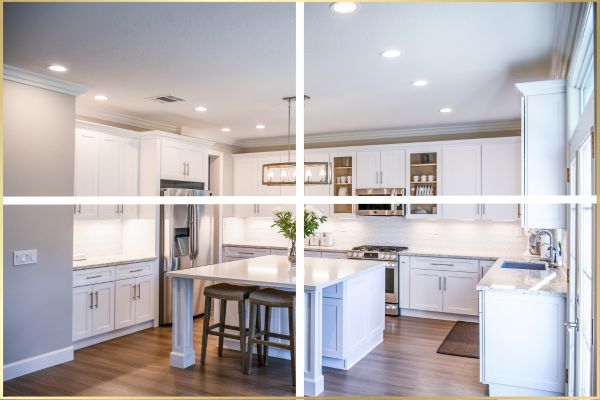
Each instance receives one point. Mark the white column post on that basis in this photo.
(313, 371)
(182, 352)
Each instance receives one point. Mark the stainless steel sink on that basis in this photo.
(524, 265)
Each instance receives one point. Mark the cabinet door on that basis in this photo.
(461, 168)
(245, 183)
(104, 311)
(484, 267)
(128, 174)
(108, 173)
(124, 303)
(86, 171)
(266, 210)
(171, 160)
(460, 295)
(333, 327)
(425, 290)
(82, 312)
(393, 167)
(500, 176)
(144, 303)
(368, 167)
(197, 167)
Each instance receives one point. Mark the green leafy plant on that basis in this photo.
(286, 222)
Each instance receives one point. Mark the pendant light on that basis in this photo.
(284, 173)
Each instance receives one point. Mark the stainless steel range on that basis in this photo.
(392, 271)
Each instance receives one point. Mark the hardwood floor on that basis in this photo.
(137, 365)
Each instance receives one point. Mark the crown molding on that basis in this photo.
(197, 133)
(127, 120)
(26, 77)
(542, 87)
(475, 127)
(568, 28)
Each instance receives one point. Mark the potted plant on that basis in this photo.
(286, 222)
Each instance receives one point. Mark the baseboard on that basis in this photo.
(80, 344)
(36, 363)
(405, 312)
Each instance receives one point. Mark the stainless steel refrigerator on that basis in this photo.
(186, 241)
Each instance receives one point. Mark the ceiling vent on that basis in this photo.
(166, 98)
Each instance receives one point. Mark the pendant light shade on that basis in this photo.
(284, 173)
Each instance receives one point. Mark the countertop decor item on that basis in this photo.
(286, 222)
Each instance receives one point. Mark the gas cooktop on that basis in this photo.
(380, 248)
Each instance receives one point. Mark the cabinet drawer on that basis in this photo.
(333, 254)
(445, 264)
(279, 252)
(93, 276)
(334, 291)
(133, 270)
(245, 252)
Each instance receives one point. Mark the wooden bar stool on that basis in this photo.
(225, 292)
(270, 298)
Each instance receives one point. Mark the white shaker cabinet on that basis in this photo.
(461, 169)
(183, 161)
(460, 296)
(247, 181)
(133, 301)
(380, 169)
(86, 171)
(500, 176)
(129, 158)
(543, 144)
(426, 290)
(93, 310)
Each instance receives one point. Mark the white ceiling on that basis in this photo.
(237, 59)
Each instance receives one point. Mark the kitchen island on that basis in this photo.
(351, 293)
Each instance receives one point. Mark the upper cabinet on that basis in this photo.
(183, 161)
(380, 169)
(424, 177)
(543, 145)
(487, 169)
(106, 164)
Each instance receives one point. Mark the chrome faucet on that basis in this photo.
(552, 253)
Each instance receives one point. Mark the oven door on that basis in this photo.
(391, 284)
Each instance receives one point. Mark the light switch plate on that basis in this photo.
(23, 257)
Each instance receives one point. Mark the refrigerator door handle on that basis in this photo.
(193, 229)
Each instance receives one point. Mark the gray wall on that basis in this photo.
(39, 142)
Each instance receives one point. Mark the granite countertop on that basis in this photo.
(551, 281)
(275, 271)
(451, 253)
(108, 261)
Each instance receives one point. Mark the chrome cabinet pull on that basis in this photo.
(139, 296)
(117, 209)
(439, 283)
(184, 169)
(96, 299)
(136, 270)
(478, 205)
(483, 209)
(442, 264)
(93, 277)
(79, 209)
(133, 287)
(91, 301)
(74, 208)
(245, 252)
(376, 176)
(444, 284)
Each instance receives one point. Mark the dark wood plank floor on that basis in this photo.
(137, 365)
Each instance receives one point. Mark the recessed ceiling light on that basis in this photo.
(226, 130)
(420, 82)
(260, 126)
(201, 109)
(391, 53)
(343, 7)
(100, 97)
(57, 68)
(445, 110)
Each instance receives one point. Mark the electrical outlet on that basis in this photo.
(23, 257)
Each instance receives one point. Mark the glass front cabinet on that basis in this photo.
(423, 179)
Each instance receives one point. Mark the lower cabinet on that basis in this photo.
(444, 285)
(333, 327)
(102, 304)
(93, 310)
(133, 301)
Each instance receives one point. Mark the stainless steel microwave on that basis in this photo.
(392, 209)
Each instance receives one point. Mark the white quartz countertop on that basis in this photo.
(108, 261)
(551, 281)
(275, 271)
(420, 252)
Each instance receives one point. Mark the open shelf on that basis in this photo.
(342, 166)
(423, 164)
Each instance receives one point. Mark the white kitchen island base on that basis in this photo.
(344, 308)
